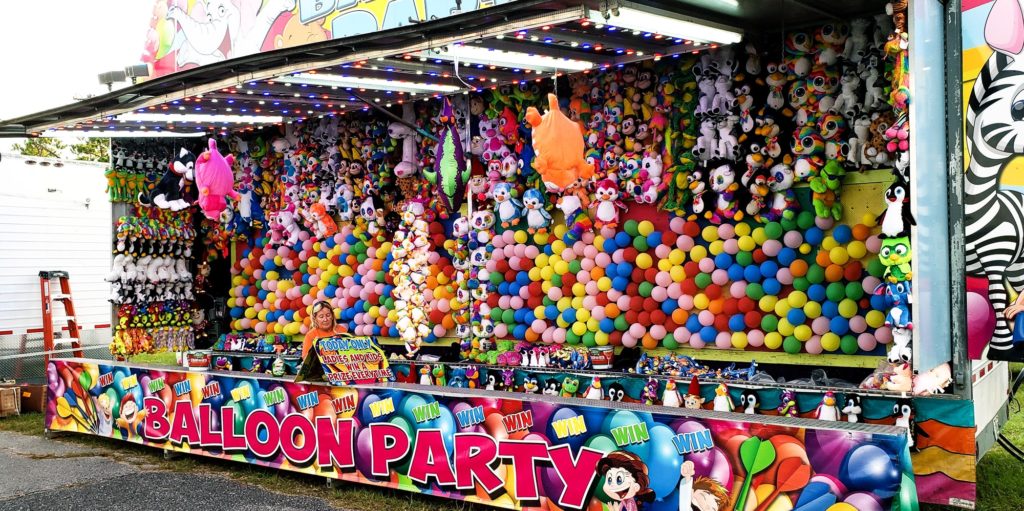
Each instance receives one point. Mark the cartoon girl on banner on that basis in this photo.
(626, 481)
(994, 217)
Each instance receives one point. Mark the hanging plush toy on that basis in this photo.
(168, 192)
(558, 147)
(507, 209)
(215, 180)
(723, 183)
(574, 204)
(535, 211)
(401, 131)
(755, 180)
(825, 188)
(607, 204)
(897, 218)
(783, 200)
(896, 254)
(450, 173)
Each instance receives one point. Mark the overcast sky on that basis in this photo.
(52, 51)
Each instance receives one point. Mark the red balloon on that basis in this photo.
(636, 302)
(644, 318)
(722, 323)
(746, 304)
(568, 280)
(492, 300)
(631, 316)
(752, 319)
(615, 338)
(650, 274)
(602, 299)
(629, 254)
(852, 271)
(689, 287)
(637, 275)
(691, 229)
(525, 263)
(713, 291)
(759, 256)
(658, 317)
(669, 238)
(731, 306)
(692, 269)
(633, 289)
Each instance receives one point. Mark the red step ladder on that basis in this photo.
(46, 278)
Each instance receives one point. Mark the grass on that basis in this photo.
(999, 474)
(166, 358)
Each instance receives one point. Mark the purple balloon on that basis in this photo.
(714, 464)
(863, 501)
(826, 449)
(541, 413)
(363, 453)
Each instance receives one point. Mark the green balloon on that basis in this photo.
(801, 284)
(305, 289)
(876, 268)
(574, 267)
(640, 243)
(702, 280)
(645, 289)
(788, 224)
(670, 341)
(854, 290)
(745, 258)
(621, 324)
(547, 301)
(805, 220)
(239, 416)
(361, 257)
(835, 292)
(589, 340)
(849, 344)
(333, 280)
(381, 276)
(816, 274)
(792, 345)
(508, 316)
(773, 230)
(85, 380)
(769, 323)
(366, 306)
(496, 314)
(556, 280)
(571, 337)
(632, 227)
(303, 267)
(755, 291)
(359, 247)
(497, 278)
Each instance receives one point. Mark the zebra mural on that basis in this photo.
(994, 227)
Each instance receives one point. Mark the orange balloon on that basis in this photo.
(798, 267)
(715, 306)
(679, 316)
(531, 335)
(833, 273)
(649, 342)
(596, 273)
(612, 310)
(822, 258)
(861, 232)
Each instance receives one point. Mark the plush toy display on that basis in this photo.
(169, 192)
(558, 147)
(826, 187)
(215, 180)
(450, 174)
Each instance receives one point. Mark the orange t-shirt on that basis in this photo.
(317, 333)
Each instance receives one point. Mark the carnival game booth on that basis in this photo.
(627, 253)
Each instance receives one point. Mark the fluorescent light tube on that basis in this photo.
(513, 59)
(120, 134)
(358, 82)
(667, 24)
(199, 118)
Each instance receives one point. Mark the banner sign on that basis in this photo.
(184, 34)
(346, 360)
(485, 447)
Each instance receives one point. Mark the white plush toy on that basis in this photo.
(707, 142)
(399, 131)
(727, 144)
(706, 96)
(857, 43)
(724, 100)
(848, 102)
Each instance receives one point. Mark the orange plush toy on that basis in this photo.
(558, 144)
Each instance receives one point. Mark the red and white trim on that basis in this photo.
(39, 330)
(980, 372)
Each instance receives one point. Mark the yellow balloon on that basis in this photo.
(829, 243)
(644, 261)
(759, 236)
(272, 275)
(745, 243)
(520, 236)
(664, 265)
(709, 233)
(534, 274)
(579, 328)
(716, 247)
(539, 311)
(677, 273)
(785, 327)
(599, 242)
(700, 301)
(545, 285)
(582, 315)
(250, 313)
(541, 238)
(278, 261)
(830, 341)
(739, 340)
(697, 253)
(560, 230)
(856, 249)
(561, 267)
(773, 340)
(604, 284)
(767, 303)
(271, 297)
(563, 303)
(250, 300)
(645, 228)
(576, 302)
(541, 260)
(558, 246)
(805, 248)
(546, 273)
(601, 338)
(797, 298)
(803, 332)
(677, 256)
(742, 229)
(593, 324)
(812, 309)
(875, 319)
(781, 308)
(561, 322)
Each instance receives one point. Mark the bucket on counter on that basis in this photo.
(602, 357)
(198, 360)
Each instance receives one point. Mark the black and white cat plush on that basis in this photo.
(897, 217)
(853, 408)
(169, 191)
(552, 387)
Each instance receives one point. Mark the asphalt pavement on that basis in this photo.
(36, 473)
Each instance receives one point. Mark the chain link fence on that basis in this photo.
(21, 355)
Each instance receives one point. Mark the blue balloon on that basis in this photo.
(551, 312)
(723, 261)
(669, 306)
(623, 240)
(816, 292)
(771, 286)
(654, 239)
(769, 269)
(610, 245)
(839, 325)
(786, 256)
(692, 324)
(625, 270)
(708, 334)
(752, 273)
(813, 236)
(829, 309)
(842, 233)
(574, 441)
(878, 303)
(736, 272)
(796, 316)
(620, 284)
(607, 325)
(569, 315)
(612, 270)
(736, 323)
(519, 332)
(446, 423)
(663, 461)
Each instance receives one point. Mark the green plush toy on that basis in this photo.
(825, 187)
(896, 254)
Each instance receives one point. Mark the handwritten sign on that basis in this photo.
(346, 360)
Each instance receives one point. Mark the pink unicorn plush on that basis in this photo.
(215, 180)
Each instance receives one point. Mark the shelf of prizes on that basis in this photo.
(679, 280)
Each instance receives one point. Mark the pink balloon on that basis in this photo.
(637, 330)
(491, 265)
(824, 223)
(498, 242)
(578, 248)
(696, 341)
(662, 251)
(509, 237)
(516, 303)
(548, 336)
(867, 342)
(246, 323)
(539, 326)
(520, 251)
(618, 256)
(439, 330)
(681, 334)
(514, 262)
(371, 252)
(623, 303)
(726, 231)
(504, 301)
(444, 306)
(676, 225)
(584, 278)
(257, 274)
(303, 329)
(793, 239)
(784, 276)
(884, 335)
(755, 338)
(590, 251)
(614, 295)
(567, 255)
(720, 277)
(313, 279)
(813, 345)
(554, 293)
(684, 243)
(587, 264)
(771, 248)
(874, 244)
(433, 258)
(509, 250)
(674, 291)
(559, 335)
(858, 324)
(603, 260)
(261, 327)
(706, 265)
(870, 283)
(531, 252)
(663, 279)
(628, 340)
(658, 332)
(723, 340)
(596, 312)
(524, 293)
(500, 330)
(686, 302)
(244, 263)
(591, 287)
(659, 294)
(607, 232)
(738, 289)
(731, 246)
(706, 318)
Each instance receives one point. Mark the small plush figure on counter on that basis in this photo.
(693, 400)
(650, 394)
(508, 380)
(507, 208)
(782, 200)
(425, 375)
(570, 386)
(723, 183)
(904, 412)
(537, 217)
(901, 380)
(852, 409)
(827, 410)
(722, 401)
(530, 384)
(897, 218)
(671, 395)
(749, 400)
(825, 187)
(698, 188)
(898, 297)
(616, 392)
(896, 254)
(607, 205)
(552, 387)
(755, 180)
(492, 381)
(439, 375)
(787, 404)
(594, 391)
(473, 377)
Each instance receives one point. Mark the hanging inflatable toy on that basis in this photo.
(558, 146)
(450, 173)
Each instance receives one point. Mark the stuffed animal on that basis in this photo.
(787, 404)
(808, 146)
(574, 204)
(901, 380)
(323, 225)
(698, 189)
(828, 410)
(896, 254)
(402, 131)
(799, 48)
(707, 142)
(288, 226)
(167, 194)
(723, 183)
(215, 180)
(728, 146)
(558, 147)
(898, 298)
(853, 408)
(706, 96)
(607, 204)
(724, 100)
(722, 401)
(534, 211)
(450, 174)
(934, 381)
(755, 181)
(901, 350)
(825, 191)
(857, 42)
(776, 81)
(783, 201)
(897, 217)
(507, 209)
(750, 400)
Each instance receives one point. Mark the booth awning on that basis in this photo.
(512, 43)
